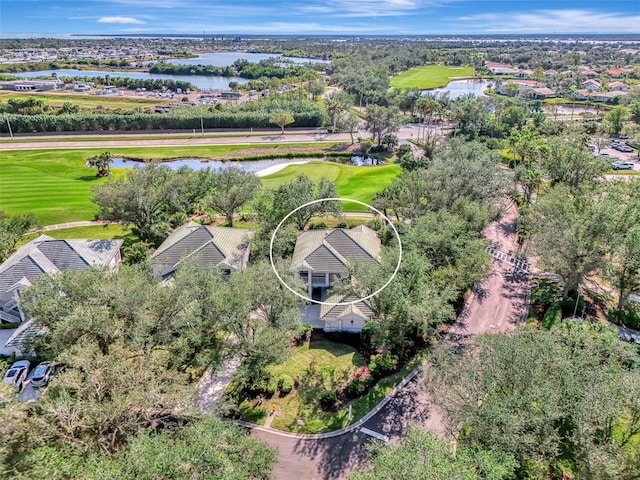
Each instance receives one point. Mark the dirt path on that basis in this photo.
(498, 305)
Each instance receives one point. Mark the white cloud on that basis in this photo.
(121, 20)
(367, 8)
(552, 21)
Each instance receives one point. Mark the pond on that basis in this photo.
(260, 167)
(458, 88)
(200, 81)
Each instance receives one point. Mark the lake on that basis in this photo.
(224, 59)
(458, 88)
(200, 81)
(260, 167)
(216, 59)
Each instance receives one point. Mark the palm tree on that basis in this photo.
(101, 161)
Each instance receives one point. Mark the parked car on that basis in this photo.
(625, 149)
(622, 165)
(591, 147)
(17, 374)
(41, 374)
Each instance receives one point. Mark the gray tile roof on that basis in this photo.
(330, 250)
(335, 312)
(24, 334)
(207, 246)
(49, 255)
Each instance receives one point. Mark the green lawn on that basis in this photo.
(86, 102)
(429, 76)
(319, 366)
(358, 183)
(56, 185)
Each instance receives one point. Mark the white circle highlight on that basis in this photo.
(313, 202)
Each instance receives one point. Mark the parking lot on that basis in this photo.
(623, 157)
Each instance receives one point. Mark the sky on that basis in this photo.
(329, 17)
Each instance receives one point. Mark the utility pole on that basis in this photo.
(9, 125)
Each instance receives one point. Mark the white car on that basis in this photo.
(17, 374)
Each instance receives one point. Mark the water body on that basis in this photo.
(458, 88)
(200, 81)
(201, 164)
(568, 109)
(224, 59)
(246, 165)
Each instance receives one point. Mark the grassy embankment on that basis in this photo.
(429, 76)
(56, 185)
(86, 102)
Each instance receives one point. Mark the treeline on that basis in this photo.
(147, 121)
(271, 68)
(133, 83)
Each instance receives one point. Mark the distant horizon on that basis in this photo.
(318, 17)
(633, 37)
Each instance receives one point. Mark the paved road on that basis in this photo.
(294, 135)
(498, 305)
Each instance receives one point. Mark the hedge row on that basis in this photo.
(113, 122)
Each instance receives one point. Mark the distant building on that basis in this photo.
(32, 85)
(619, 86)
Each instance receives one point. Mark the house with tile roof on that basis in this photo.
(591, 85)
(227, 248)
(47, 256)
(322, 257)
(619, 86)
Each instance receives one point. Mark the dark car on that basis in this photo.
(41, 374)
(17, 374)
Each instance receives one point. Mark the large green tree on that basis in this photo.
(145, 198)
(624, 258)
(12, 228)
(568, 163)
(422, 455)
(382, 121)
(232, 189)
(566, 398)
(571, 234)
(276, 205)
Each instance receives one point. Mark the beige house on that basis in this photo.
(227, 248)
(321, 257)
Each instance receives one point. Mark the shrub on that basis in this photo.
(342, 225)
(381, 365)
(552, 316)
(285, 384)
(358, 383)
(328, 399)
(317, 226)
(271, 386)
(628, 318)
(375, 224)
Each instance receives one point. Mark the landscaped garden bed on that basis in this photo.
(312, 390)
